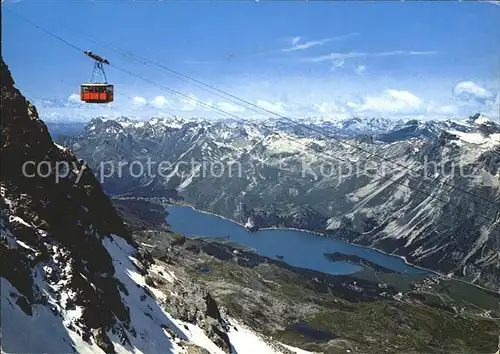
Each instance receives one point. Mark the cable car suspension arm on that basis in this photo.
(96, 57)
(98, 74)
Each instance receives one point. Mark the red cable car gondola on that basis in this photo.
(97, 91)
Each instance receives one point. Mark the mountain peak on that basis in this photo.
(123, 119)
(478, 118)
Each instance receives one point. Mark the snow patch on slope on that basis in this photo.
(478, 138)
(246, 341)
(297, 350)
(46, 330)
(147, 318)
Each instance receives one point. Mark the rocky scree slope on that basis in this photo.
(71, 275)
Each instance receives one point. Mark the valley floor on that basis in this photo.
(318, 312)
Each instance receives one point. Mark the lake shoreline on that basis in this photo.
(309, 232)
(403, 258)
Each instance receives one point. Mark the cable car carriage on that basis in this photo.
(97, 90)
(96, 93)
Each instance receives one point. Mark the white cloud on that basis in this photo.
(139, 101)
(360, 69)
(492, 108)
(190, 103)
(159, 101)
(307, 45)
(310, 44)
(471, 88)
(337, 64)
(276, 107)
(192, 100)
(350, 55)
(304, 95)
(74, 98)
(229, 107)
(329, 109)
(407, 105)
(472, 98)
(447, 110)
(405, 96)
(392, 101)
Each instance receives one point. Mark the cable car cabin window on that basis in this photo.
(97, 93)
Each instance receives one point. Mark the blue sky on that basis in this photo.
(332, 59)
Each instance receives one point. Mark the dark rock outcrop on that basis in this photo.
(60, 213)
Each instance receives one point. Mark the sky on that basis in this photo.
(425, 60)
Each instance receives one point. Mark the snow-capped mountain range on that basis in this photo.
(282, 181)
(385, 129)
